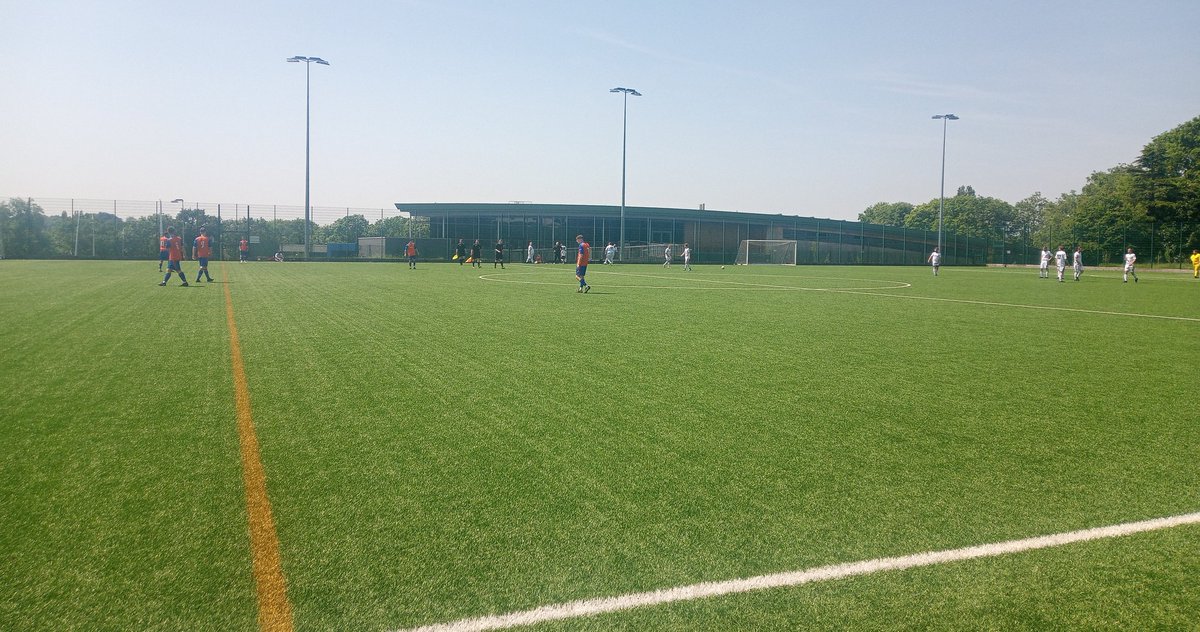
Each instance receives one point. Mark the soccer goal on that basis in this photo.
(777, 251)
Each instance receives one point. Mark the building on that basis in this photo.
(713, 235)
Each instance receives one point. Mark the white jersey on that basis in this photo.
(1078, 259)
(1060, 259)
(1045, 259)
(687, 254)
(609, 251)
(935, 258)
(667, 253)
(1130, 258)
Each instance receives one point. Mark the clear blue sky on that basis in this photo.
(808, 108)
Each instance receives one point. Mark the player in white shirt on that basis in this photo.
(529, 253)
(1130, 259)
(667, 256)
(935, 260)
(1044, 265)
(687, 257)
(609, 251)
(1078, 262)
(1060, 262)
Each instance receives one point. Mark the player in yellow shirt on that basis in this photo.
(1196, 264)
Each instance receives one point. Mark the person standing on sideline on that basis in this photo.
(174, 257)
(581, 263)
(499, 255)
(476, 253)
(1077, 263)
(1130, 259)
(164, 243)
(667, 256)
(460, 252)
(609, 251)
(243, 250)
(687, 256)
(201, 251)
(935, 260)
(529, 253)
(558, 252)
(1044, 265)
(1196, 264)
(411, 252)
(1060, 262)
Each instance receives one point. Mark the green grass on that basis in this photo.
(439, 446)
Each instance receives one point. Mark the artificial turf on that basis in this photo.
(440, 445)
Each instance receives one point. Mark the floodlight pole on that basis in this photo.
(942, 196)
(308, 61)
(624, 132)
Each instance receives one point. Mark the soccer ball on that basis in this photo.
(722, 267)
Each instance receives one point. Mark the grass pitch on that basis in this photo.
(444, 443)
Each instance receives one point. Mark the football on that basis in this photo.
(722, 267)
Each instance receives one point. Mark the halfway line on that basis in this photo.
(589, 607)
(274, 609)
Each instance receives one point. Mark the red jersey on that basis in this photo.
(411, 249)
(175, 250)
(585, 254)
(163, 242)
(243, 245)
(203, 245)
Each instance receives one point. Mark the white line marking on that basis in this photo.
(724, 284)
(589, 607)
(1018, 305)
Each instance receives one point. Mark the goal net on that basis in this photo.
(760, 251)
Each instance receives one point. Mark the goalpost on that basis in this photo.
(759, 251)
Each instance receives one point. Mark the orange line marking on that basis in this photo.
(274, 609)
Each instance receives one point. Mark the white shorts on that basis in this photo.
(1046, 266)
(1128, 267)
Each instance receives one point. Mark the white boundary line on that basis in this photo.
(1019, 305)
(589, 607)
(724, 284)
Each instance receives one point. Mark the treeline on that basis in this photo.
(26, 232)
(1153, 204)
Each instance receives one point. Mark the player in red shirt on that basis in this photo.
(243, 250)
(174, 256)
(581, 263)
(163, 244)
(201, 251)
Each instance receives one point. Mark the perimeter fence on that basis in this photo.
(49, 228)
(56, 228)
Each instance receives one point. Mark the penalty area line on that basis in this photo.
(590, 607)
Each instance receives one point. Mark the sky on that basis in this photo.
(802, 108)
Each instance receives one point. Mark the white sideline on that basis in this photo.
(588, 607)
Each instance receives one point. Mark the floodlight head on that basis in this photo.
(952, 117)
(297, 58)
(627, 91)
(176, 200)
(319, 61)
(949, 117)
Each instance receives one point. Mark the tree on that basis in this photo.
(965, 214)
(886, 213)
(347, 229)
(24, 226)
(1167, 174)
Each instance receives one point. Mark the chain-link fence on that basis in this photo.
(129, 229)
(47, 228)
